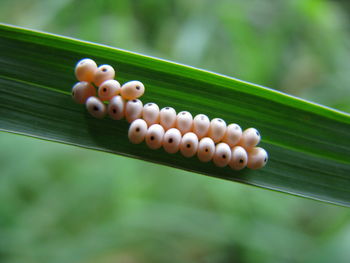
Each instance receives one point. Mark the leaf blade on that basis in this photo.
(308, 144)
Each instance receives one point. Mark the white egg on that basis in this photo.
(133, 110)
(116, 108)
(81, 91)
(189, 144)
(239, 158)
(184, 122)
(222, 154)
(232, 135)
(201, 125)
(85, 70)
(257, 158)
(250, 138)
(150, 113)
(217, 129)
(96, 107)
(167, 118)
(206, 149)
(154, 136)
(137, 131)
(132, 90)
(108, 89)
(171, 140)
(103, 73)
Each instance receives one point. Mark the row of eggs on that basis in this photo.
(189, 145)
(234, 147)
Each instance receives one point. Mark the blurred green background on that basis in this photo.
(60, 203)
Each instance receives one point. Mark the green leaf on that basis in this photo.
(308, 144)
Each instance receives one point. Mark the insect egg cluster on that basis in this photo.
(121, 101)
(224, 145)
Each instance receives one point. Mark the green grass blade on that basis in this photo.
(308, 144)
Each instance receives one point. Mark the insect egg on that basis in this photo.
(206, 149)
(171, 140)
(132, 90)
(250, 138)
(81, 91)
(239, 158)
(184, 122)
(189, 144)
(116, 108)
(96, 107)
(232, 135)
(137, 131)
(257, 158)
(201, 125)
(222, 154)
(133, 110)
(150, 113)
(154, 136)
(167, 117)
(217, 129)
(85, 70)
(108, 89)
(103, 73)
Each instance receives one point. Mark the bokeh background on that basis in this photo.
(59, 203)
